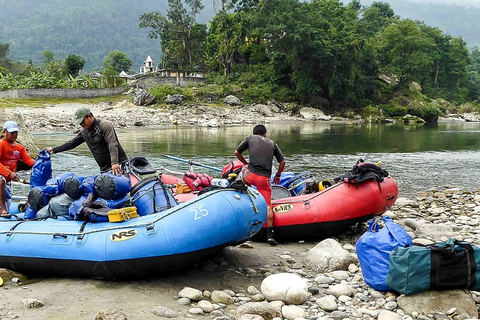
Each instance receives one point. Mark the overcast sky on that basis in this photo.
(474, 3)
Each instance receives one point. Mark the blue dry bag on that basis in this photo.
(41, 170)
(374, 248)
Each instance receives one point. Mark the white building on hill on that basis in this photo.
(148, 66)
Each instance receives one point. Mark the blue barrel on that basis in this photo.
(151, 195)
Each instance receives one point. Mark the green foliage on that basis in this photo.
(394, 110)
(179, 33)
(427, 111)
(49, 55)
(89, 28)
(118, 60)
(44, 80)
(74, 64)
(161, 92)
(57, 69)
(111, 78)
(469, 108)
(288, 50)
(225, 40)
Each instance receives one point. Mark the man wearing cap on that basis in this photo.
(10, 153)
(101, 139)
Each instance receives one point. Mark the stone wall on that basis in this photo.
(61, 93)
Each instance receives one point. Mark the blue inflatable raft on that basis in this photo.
(140, 247)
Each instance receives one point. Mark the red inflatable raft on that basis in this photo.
(314, 215)
(328, 212)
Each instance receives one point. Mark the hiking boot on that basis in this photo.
(272, 241)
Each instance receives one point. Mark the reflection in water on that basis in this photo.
(419, 158)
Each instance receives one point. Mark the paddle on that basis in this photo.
(192, 162)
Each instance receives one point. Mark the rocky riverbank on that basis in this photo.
(126, 115)
(234, 284)
(255, 281)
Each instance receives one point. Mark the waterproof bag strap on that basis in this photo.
(471, 263)
(165, 192)
(448, 263)
(373, 225)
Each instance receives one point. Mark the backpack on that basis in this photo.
(363, 171)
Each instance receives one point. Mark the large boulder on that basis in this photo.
(263, 309)
(432, 302)
(174, 99)
(287, 287)
(232, 101)
(142, 97)
(314, 114)
(327, 256)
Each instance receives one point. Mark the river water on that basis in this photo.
(419, 157)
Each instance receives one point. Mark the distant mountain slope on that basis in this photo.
(89, 28)
(456, 20)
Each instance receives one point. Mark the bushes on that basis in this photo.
(382, 111)
(427, 111)
(42, 80)
(161, 92)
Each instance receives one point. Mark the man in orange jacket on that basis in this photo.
(10, 153)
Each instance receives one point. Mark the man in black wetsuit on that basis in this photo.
(258, 170)
(101, 139)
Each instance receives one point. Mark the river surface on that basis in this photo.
(419, 158)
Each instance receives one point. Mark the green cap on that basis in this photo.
(80, 113)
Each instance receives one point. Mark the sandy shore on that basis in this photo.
(84, 298)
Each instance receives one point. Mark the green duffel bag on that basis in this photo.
(440, 266)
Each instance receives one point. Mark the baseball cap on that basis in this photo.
(11, 126)
(80, 113)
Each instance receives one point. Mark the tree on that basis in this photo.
(74, 64)
(118, 60)
(316, 42)
(57, 69)
(111, 78)
(224, 41)
(4, 48)
(5, 63)
(404, 51)
(48, 55)
(177, 26)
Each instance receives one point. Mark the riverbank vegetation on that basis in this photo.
(321, 53)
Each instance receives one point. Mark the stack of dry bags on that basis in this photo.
(79, 198)
(391, 262)
(374, 248)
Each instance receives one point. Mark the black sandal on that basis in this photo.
(5, 215)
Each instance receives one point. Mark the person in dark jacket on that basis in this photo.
(101, 139)
(258, 170)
